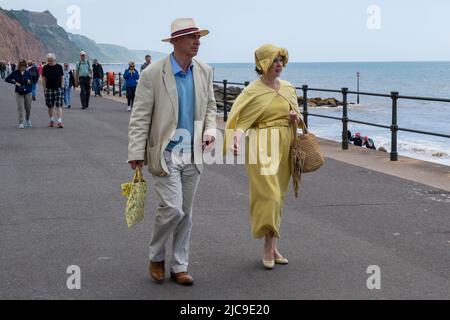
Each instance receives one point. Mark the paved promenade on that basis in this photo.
(61, 205)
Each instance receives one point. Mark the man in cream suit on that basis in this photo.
(173, 122)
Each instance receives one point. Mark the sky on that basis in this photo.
(312, 31)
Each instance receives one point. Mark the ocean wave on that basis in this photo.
(350, 105)
(426, 150)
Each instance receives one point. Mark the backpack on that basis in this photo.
(34, 74)
(79, 65)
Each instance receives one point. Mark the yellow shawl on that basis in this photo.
(257, 96)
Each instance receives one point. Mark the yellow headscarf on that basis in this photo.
(258, 96)
(266, 54)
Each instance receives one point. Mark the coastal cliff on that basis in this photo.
(44, 26)
(17, 42)
(31, 35)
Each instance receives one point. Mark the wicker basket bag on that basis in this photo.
(305, 154)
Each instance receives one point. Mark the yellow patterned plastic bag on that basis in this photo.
(136, 192)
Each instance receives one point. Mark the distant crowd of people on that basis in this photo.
(6, 68)
(361, 141)
(58, 82)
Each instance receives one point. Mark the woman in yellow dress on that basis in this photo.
(264, 112)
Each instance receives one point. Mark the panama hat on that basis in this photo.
(184, 26)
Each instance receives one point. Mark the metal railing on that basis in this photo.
(225, 84)
(113, 85)
(393, 126)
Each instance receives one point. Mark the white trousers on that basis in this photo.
(175, 194)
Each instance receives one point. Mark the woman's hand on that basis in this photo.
(235, 146)
(18, 84)
(293, 117)
(236, 139)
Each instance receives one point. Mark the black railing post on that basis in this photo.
(246, 83)
(120, 85)
(305, 104)
(344, 119)
(114, 83)
(357, 89)
(225, 103)
(394, 127)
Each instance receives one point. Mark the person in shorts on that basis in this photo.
(53, 83)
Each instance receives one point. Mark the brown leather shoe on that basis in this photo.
(182, 278)
(157, 271)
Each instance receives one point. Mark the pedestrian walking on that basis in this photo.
(69, 84)
(148, 61)
(32, 69)
(40, 67)
(21, 78)
(2, 69)
(131, 77)
(53, 83)
(84, 72)
(178, 87)
(8, 68)
(97, 70)
(268, 107)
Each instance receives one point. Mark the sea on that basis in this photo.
(425, 79)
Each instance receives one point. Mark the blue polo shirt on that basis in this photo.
(186, 106)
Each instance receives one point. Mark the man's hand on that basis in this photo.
(136, 163)
(208, 143)
(18, 84)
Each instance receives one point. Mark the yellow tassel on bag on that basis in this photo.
(136, 192)
(305, 154)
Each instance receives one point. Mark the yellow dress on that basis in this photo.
(266, 112)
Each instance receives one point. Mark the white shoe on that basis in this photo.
(129, 109)
(269, 264)
(281, 260)
(29, 125)
(21, 126)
